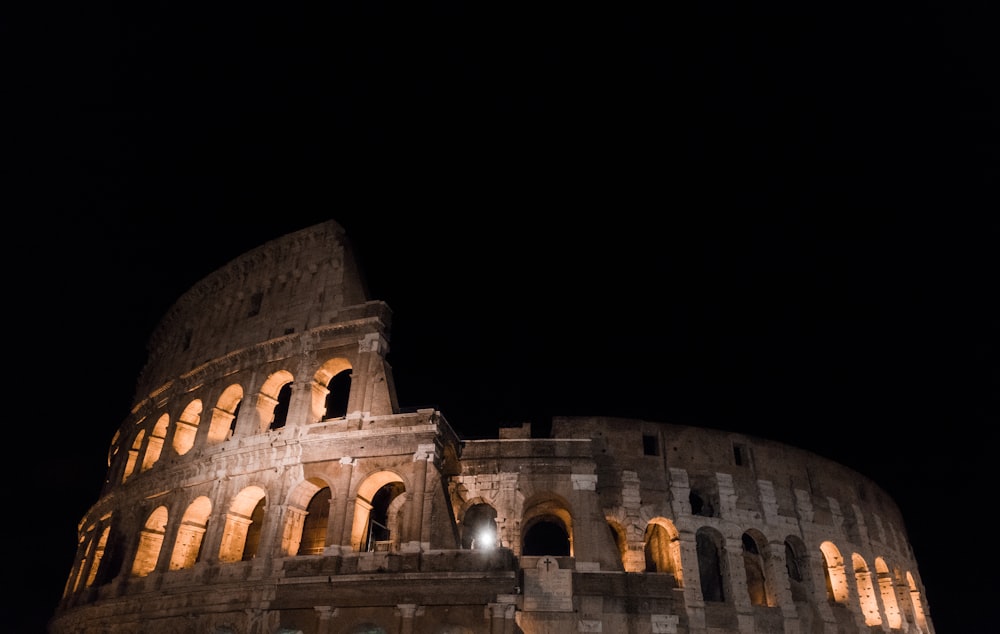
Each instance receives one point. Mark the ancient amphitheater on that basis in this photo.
(266, 480)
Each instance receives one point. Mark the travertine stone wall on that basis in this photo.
(266, 480)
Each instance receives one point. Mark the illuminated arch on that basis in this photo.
(187, 547)
(186, 427)
(866, 591)
(547, 526)
(888, 592)
(756, 564)
(224, 414)
(331, 388)
(372, 506)
(97, 555)
(918, 604)
(307, 518)
(662, 548)
(150, 543)
(154, 446)
(242, 530)
(133, 455)
(273, 400)
(833, 570)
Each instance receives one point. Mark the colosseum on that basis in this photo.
(266, 480)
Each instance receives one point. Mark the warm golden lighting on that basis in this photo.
(866, 591)
(836, 576)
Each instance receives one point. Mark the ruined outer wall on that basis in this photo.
(212, 518)
(840, 500)
(291, 284)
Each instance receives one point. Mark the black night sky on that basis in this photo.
(778, 221)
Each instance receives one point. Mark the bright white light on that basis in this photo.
(485, 539)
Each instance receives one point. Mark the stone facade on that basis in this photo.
(266, 480)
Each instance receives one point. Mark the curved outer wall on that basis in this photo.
(267, 481)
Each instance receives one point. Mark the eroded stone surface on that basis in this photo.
(267, 481)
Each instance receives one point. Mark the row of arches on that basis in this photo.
(311, 521)
(307, 529)
(313, 518)
(328, 397)
(883, 595)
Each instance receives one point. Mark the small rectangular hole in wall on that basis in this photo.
(739, 454)
(255, 301)
(650, 446)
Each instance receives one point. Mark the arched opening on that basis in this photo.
(227, 408)
(307, 518)
(133, 455)
(253, 531)
(150, 542)
(888, 592)
(918, 604)
(795, 566)
(154, 446)
(331, 390)
(546, 536)
(479, 527)
(186, 428)
(547, 526)
(376, 512)
(834, 573)
(187, 547)
(866, 591)
(273, 400)
(241, 534)
(662, 549)
(315, 523)
(753, 566)
(709, 546)
(336, 398)
(379, 535)
(281, 407)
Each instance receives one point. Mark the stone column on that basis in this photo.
(362, 509)
(336, 528)
(415, 506)
(317, 400)
(324, 614)
(501, 615)
(291, 532)
(300, 404)
(694, 601)
(406, 613)
(738, 583)
(369, 358)
(776, 577)
(274, 519)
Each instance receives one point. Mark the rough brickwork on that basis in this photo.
(266, 480)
